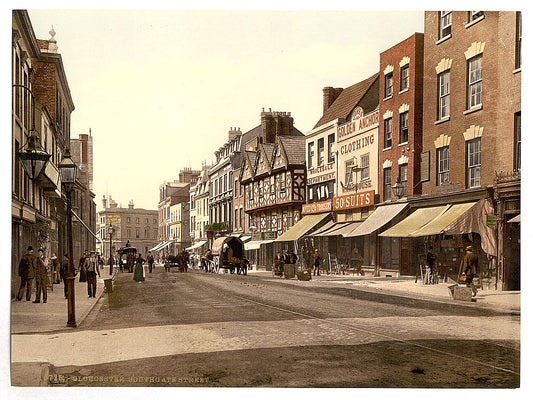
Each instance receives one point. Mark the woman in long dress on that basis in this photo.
(138, 274)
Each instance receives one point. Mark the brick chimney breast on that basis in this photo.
(330, 95)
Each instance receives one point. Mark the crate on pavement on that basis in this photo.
(463, 293)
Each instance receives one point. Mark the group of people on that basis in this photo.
(282, 258)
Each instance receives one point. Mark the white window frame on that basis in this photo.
(387, 184)
(403, 128)
(444, 94)
(443, 165)
(404, 78)
(475, 82)
(387, 133)
(365, 166)
(473, 149)
(388, 85)
(445, 24)
(475, 15)
(310, 154)
(321, 150)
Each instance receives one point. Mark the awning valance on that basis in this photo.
(196, 245)
(414, 222)
(256, 244)
(438, 224)
(302, 227)
(377, 219)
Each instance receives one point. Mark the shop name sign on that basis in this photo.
(112, 219)
(358, 124)
(315, 208)
(354, 200)
(321, 178)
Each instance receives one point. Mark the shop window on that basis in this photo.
(404, 175)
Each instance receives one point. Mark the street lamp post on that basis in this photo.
(68, 171)
(110, 230)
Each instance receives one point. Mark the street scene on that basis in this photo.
(361, 230)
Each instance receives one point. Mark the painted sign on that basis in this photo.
(315, 208)
(359, 123)
(321, 178)
(112, 219)
(354, 200)
(491, 221)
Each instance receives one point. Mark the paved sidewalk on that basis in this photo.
(508, 301)
(29, 317)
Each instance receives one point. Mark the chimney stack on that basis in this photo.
(130, 205)
(330, 95)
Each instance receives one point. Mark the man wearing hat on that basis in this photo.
(41, 278)
(469, 268)
(26, 273)
(91, 268)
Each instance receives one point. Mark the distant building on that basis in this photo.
(137, 226)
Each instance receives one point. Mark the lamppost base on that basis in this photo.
(72, 325)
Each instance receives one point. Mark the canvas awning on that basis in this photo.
(377, 219)
(256, 244)
(341, 229)
(217, 245)
(475, 220)
(327, 226)
(414, 222)
(302, 227)
(438, 224)
(159, 246)
(196, 245)
(515, 219)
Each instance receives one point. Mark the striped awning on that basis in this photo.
(341, 229)
(437, 225)
(475, 220)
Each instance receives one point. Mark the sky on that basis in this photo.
(159, 89)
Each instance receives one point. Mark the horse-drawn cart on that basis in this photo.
(228, 253)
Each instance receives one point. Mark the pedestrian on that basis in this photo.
(292, 256)
(138, 275)
(83, 276)
(316, 263)
(130, 262)
(150, 260)
(55, 268)
(469, 268)
(278, 264)
(430, 260)
(91, 268)
(26, 273)
(63, 272)
(41, 277)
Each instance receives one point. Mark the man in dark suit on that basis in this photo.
(26, 273)
(41, 278)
